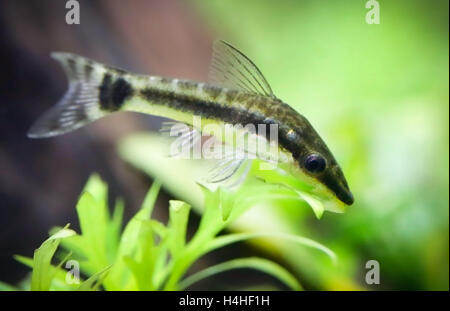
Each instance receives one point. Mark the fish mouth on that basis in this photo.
(338, 185)
(345, 196)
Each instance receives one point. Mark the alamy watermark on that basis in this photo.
(373, 15)
(73, 275)
(373, 272)
(224, 141)
(73, 13)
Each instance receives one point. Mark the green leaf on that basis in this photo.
(211, 216)
(178, 220)
(74, 243)
(95, 281)
(93, 218)
(27, 261)
(113, 231)
(98, 189)
(143, 264)
(131, 232)
(162, 268)
(93, 214)
(7, 287)
(260, 264)
(119, 276)
(59, 280)
(274, 177)
(237, 237)
(159, 228)
(316, 205)
(226, 202)
(43, 271)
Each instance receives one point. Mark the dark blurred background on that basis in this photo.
(378, 93)
(41, 179)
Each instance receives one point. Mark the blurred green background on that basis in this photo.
(378, 95)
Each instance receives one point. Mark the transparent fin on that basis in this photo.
(230, 68)
(232, 168)
(231, 165)
(79, 106)
(186, 141)
(229, 173)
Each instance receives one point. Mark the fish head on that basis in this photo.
(314, 164)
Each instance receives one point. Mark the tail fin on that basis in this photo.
(80, 105)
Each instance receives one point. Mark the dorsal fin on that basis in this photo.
(230, 68)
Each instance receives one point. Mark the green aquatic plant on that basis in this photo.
(147, 254)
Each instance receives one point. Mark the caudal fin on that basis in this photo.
(80, 104)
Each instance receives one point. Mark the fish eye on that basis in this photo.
(315, 163)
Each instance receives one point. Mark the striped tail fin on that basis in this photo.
(89, 81)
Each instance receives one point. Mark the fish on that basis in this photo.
(236, 93)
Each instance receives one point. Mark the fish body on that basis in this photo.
(238, 95)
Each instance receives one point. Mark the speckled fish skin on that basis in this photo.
(103, 90)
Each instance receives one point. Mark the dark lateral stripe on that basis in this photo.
(194, 105)
(212, 110)
(113, 94)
